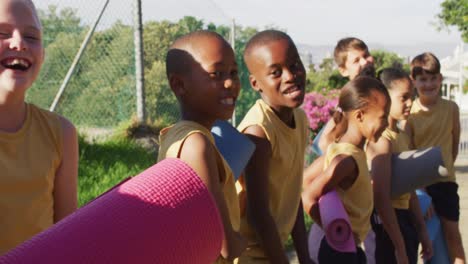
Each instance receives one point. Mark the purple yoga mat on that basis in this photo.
(335, 223)
(163, 215)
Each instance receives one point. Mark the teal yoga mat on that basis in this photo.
(416, 169)
(235, 147)
(435, 232)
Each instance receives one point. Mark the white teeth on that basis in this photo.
(17, 61)
(228, 101)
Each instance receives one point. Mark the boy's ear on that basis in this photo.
(177, 84)
(343, 71)
(254, 83)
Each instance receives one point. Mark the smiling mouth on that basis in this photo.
(17, 64)
(292, 89)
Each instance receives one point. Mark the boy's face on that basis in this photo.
(278, 74)
(21, 50)
(356, 61)
(428, 86)
(212, 85)
(401, 96)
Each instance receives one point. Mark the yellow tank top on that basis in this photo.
(171, 140)
(434, 128)
(358, 199)
(29, 159)
(400, 142)
(285, 168)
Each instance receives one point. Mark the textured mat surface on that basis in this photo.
(163, 215)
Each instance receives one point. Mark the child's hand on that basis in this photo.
(426, 244)
(400, 255)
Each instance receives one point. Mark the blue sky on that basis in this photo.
(313, 22)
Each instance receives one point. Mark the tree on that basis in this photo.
(384, 59)
(56, 21)
(455, 13)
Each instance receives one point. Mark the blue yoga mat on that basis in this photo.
(235, 147)
(435, 232)
(416, 169)
(315, 144)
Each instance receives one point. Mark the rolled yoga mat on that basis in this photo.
(235, 147)
(315, 144)
(163, 215)
(335, 223)
(416, 169)
(435, 232)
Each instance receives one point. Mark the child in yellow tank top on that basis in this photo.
(361, 116)
(398, 223)
(273, 176)
(435, 121)
(202, 73)
(38, 149)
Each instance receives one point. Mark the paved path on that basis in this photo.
(461, 166)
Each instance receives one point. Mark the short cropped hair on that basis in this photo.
(178, 57)
(344, 45)
(425, 62)
(263, 37)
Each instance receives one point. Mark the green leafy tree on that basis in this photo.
(55, 21)
(454, 13)
(384, 59)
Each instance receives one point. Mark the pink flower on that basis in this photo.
(319, 107)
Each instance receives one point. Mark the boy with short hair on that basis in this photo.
(202, 73)
(435, 121)
(278, 127)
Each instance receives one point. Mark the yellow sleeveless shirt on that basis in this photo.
(171, 140)
(400, 142)
(358, 199)
(29, 159)
(434, 128)
(285, 170)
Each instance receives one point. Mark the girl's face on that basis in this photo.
(374, 119)
(401, 95)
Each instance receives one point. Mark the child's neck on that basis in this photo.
(190, 116)
(393, 124)
(354, 137)
(286, 115)
(428, 103)
(12, 116)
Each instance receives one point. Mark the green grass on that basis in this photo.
(103, 165)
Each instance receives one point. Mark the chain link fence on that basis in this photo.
(101, 91)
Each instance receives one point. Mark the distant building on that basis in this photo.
(454, 70)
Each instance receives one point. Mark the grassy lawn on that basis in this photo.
(104, 164)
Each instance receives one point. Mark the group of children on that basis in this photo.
(374, 118)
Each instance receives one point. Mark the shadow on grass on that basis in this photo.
(103, 165)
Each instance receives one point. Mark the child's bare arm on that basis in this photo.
(408, 128)
(379, 153)
(258, 206)
(299, 237)
(342, 172)
(418, 221)
(66, 177)
(455, 132)
(327, 136)
(314, 170)
(199, 154)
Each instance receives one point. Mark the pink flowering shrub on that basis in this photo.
(319, 108)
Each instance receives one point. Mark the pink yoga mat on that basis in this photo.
(163, 215)
(335, 223)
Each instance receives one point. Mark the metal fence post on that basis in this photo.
(139, 71)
